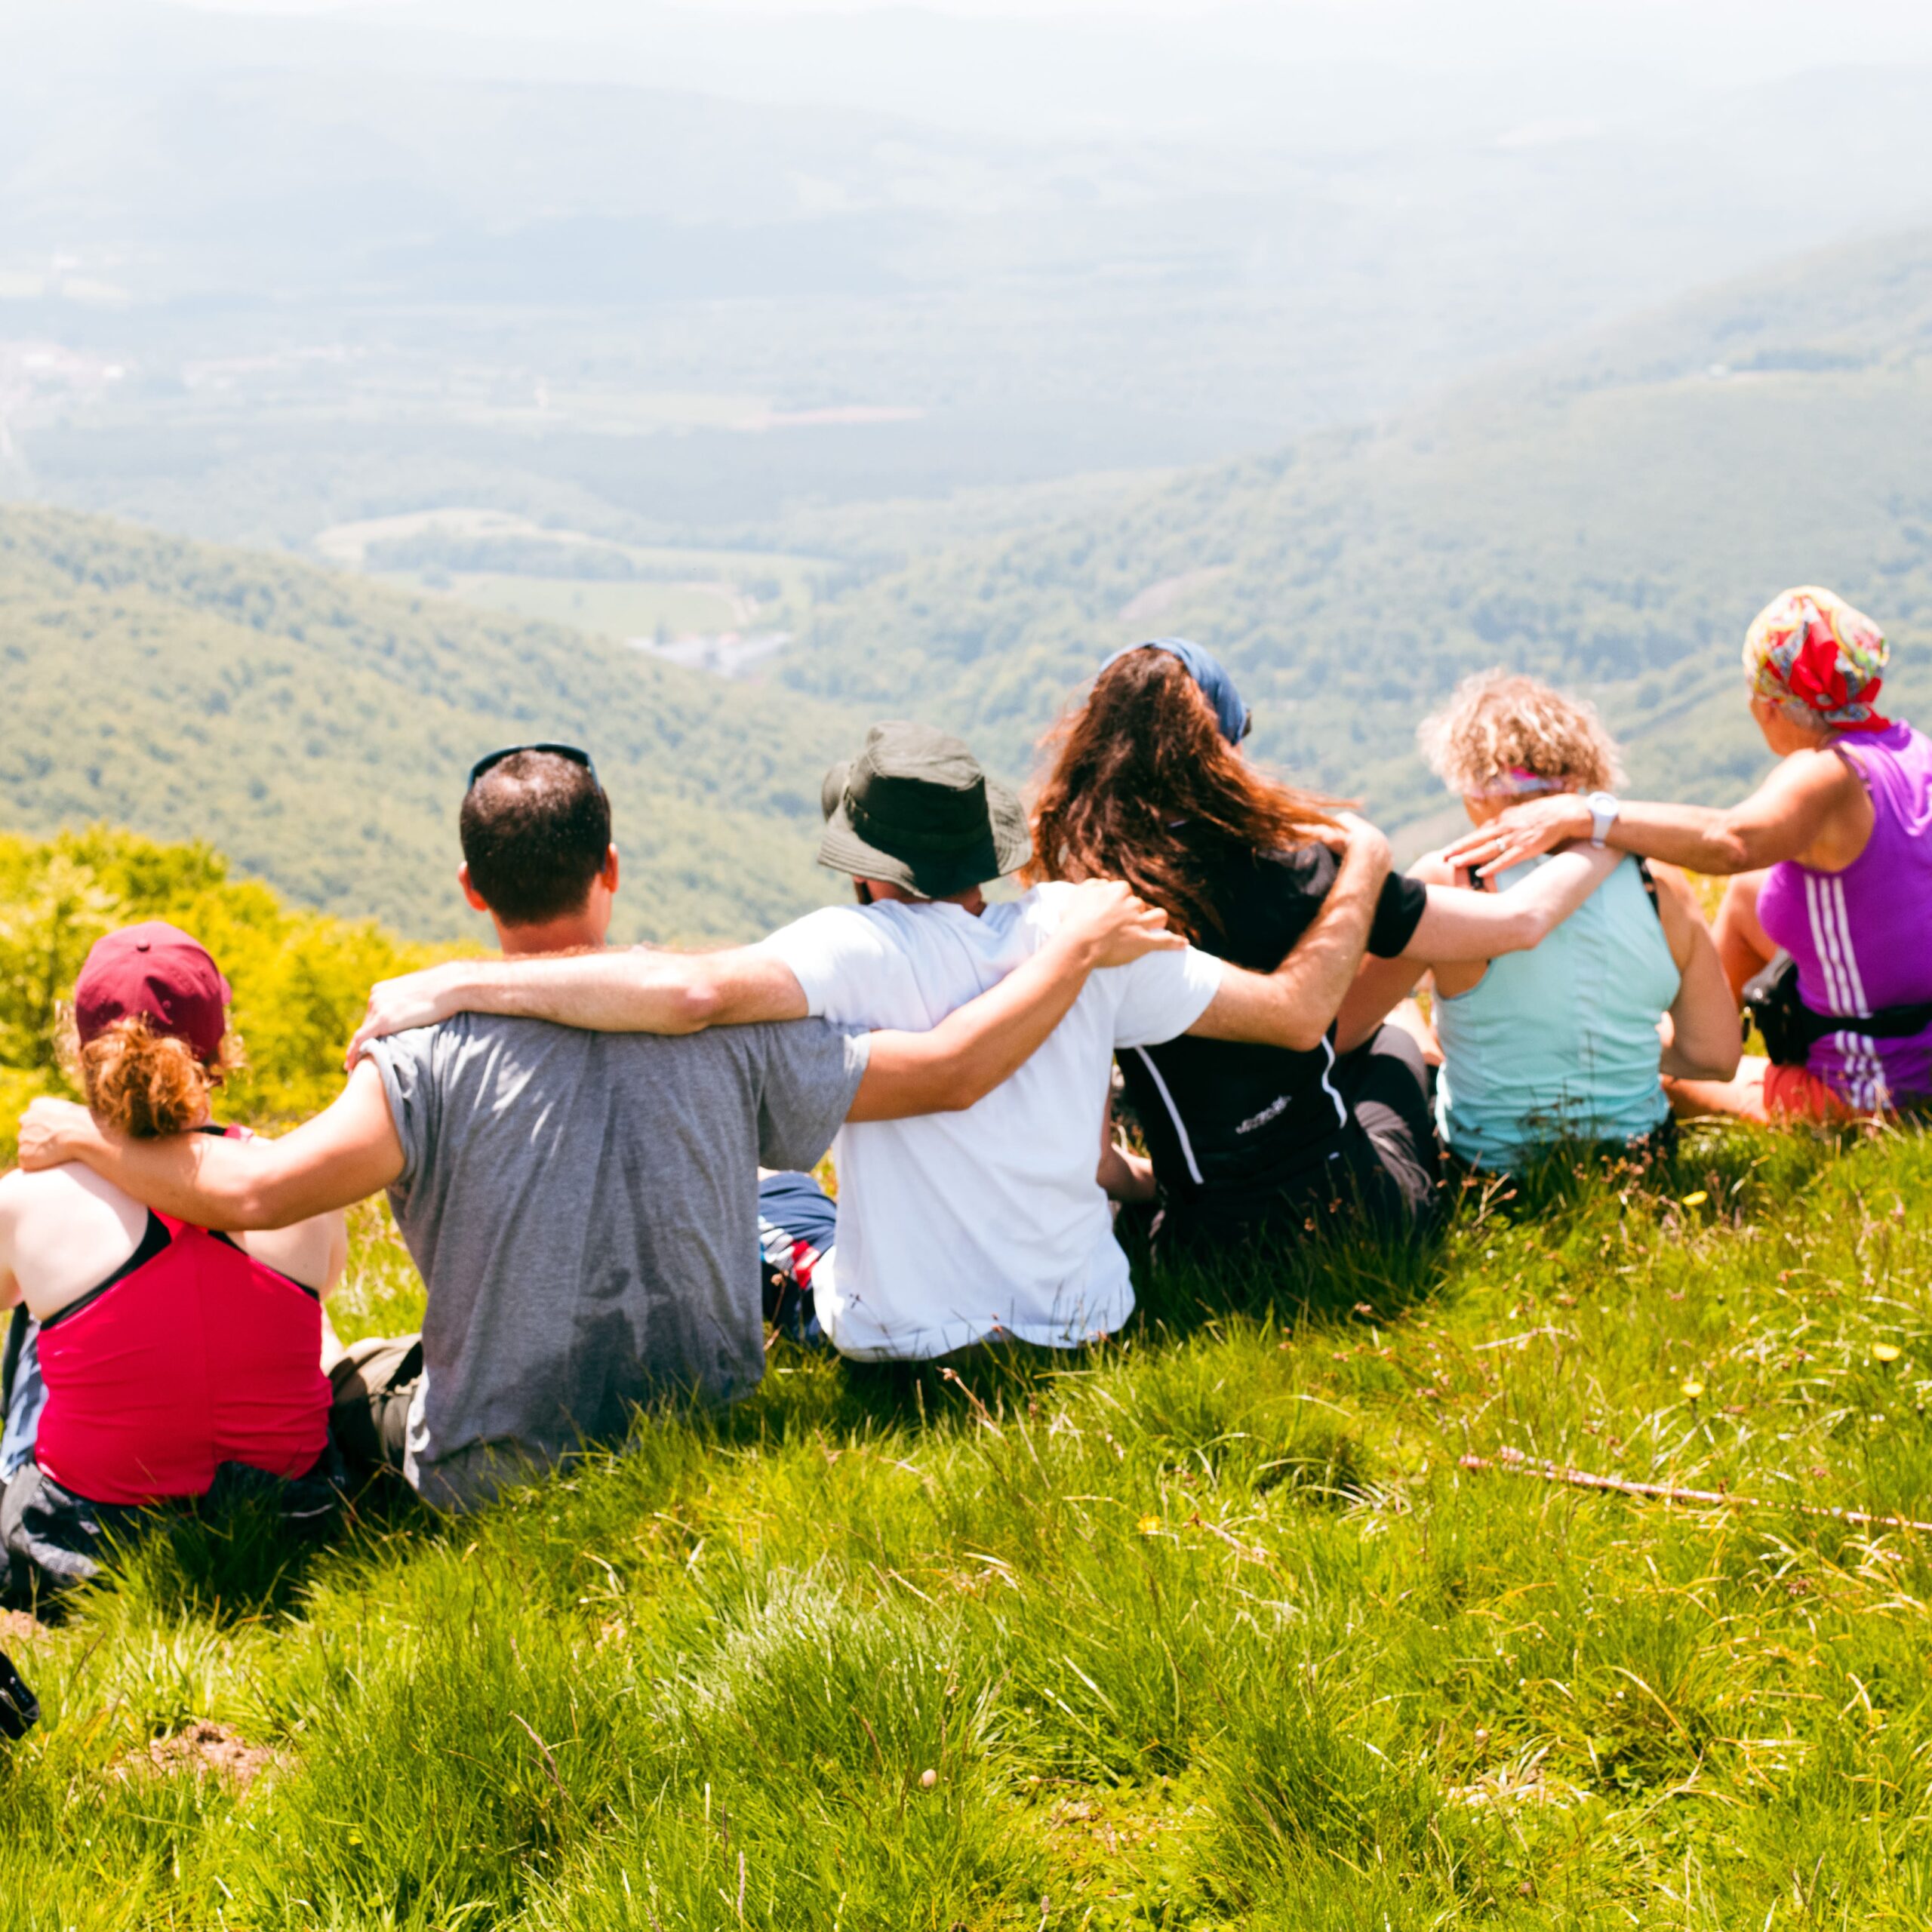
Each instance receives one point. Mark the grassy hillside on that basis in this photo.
(318, 729)
(1212, 1628)
(1211, 1631)
(1612, 518)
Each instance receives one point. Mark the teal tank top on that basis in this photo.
(1560, 1043)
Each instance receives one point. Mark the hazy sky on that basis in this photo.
(1759, 33)
(1322, 74)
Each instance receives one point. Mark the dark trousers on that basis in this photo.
(370, 1390)
(1383, 1170)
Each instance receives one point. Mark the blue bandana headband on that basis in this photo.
(1207, 670)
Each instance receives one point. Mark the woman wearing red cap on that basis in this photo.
(175, 1361)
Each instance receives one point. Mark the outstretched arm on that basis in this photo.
(1292, 1006)
(973, 1049)
(349, 1150)
(1459, 928)
(1779, 820)
(640, 990)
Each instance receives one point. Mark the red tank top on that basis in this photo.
(190, 1354)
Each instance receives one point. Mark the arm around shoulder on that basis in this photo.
(349, 1150)
(640, 990)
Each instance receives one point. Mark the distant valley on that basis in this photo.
(1610, 515)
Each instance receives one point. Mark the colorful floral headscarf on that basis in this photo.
(1811, 652)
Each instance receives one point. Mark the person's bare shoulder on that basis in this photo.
(51, 1190)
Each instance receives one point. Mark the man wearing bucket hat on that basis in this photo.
(954, 1228)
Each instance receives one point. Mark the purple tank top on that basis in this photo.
(1863, 937)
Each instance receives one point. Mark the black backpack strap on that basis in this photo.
(1644, 873)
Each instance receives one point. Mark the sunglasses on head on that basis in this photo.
(490, 763)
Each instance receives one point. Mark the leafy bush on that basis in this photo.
(300, 978)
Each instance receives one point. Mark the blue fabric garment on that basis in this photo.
(798, 1224)
(29, 1397)
(1208, 672)
(1560, 1044)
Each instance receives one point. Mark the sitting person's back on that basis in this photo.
(1862, 936)
(581, 1206)
(1560, 1044)
(167, 1353)
(957, 1228)
(1563, 1043)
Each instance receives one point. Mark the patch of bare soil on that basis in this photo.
(202, 1749)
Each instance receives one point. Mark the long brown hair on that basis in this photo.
(1144, 788)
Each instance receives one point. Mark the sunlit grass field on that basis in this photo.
(1211, 1629)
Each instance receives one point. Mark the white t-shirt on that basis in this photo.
(953, 1227)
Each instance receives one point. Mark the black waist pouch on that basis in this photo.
(1792, 1029)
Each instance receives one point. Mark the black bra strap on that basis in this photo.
(229, 1241)
(155, 1240)
(1649, 887)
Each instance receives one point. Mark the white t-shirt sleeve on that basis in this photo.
(837, 954)
(1161, 995)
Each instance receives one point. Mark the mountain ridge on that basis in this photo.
(1612, 521)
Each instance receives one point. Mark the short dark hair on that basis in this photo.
(536, 830)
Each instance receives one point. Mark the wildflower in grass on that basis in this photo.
(1149, 1526)
(1692, 1390)
(1885, 1352)
(1696, 1199)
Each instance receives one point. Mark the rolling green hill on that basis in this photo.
(1612, 518)
(318, 729)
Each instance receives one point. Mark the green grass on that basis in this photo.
(1210, 1630)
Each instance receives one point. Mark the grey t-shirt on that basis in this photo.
(583, 1207)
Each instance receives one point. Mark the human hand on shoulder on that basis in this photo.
(55, 1132)
(1115, 927)
(1362, 840)
(1522, 831)
(423, 998)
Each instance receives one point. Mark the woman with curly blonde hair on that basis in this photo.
(1567, 1042)
(174, 1360)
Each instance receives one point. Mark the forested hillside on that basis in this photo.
(1612, 518)
(317, 729)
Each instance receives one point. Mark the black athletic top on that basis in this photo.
(1220, 1115)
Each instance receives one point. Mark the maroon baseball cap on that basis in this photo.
(155, 970)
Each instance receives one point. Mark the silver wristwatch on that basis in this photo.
(1604, 808)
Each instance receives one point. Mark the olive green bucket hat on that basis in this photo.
(916, 808)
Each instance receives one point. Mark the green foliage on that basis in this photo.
(318, 729)
(301, 978)
(1212, 1628)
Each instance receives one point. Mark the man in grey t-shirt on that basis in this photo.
(584, 1213)
(583, 1207)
